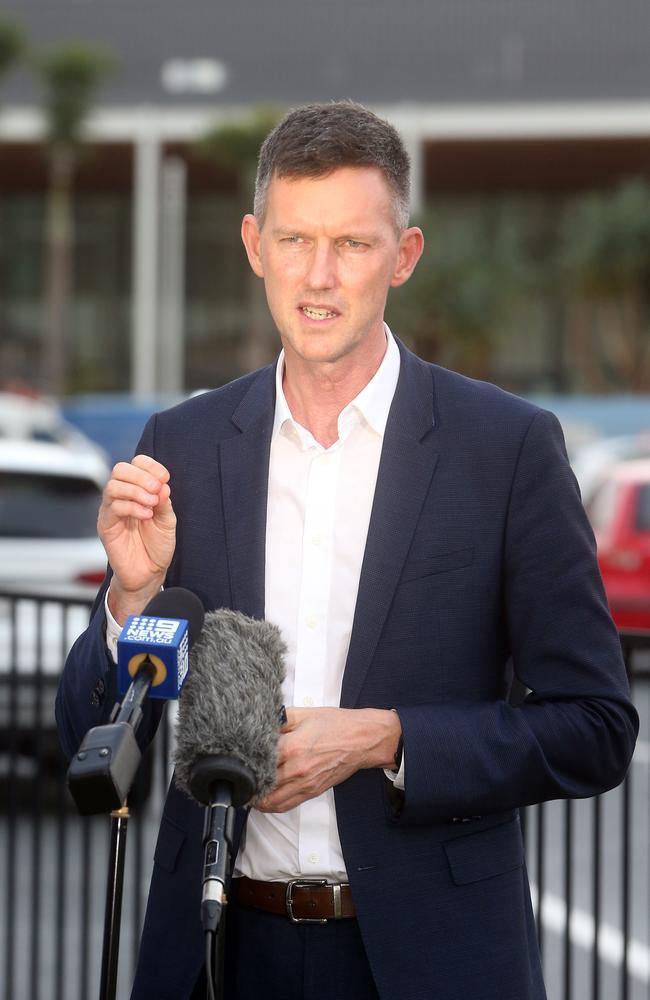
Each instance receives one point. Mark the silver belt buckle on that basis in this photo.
(302, 882)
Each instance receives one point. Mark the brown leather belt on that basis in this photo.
(302, 900)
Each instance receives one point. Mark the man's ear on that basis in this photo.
(250, 235)
(411, 245)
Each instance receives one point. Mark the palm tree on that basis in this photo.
(235, 147)
(12, 45)
(70, 76)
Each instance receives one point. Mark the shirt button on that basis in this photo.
(308, 701)
(316, 539)
(312, 621)
(314, 858)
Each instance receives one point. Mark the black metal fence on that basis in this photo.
(588, 860)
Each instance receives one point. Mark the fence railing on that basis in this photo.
(588, 860)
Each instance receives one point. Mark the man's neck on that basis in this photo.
(317, 393)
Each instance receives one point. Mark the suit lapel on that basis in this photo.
(244, 463)
(406, 469)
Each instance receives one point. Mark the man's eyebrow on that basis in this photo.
(360, 236)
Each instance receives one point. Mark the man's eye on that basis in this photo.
(354, 244)
(292, 240)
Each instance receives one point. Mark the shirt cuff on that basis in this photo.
(397, 777)
(113, 630)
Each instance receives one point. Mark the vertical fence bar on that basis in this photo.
(625, 885)
(61, 885)
(37, 809)
(568, 897)
(595, 861)
(61, 840)
(10, 872)
(541, 825)
(84, 977)
(137, 884)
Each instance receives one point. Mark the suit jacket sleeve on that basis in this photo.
(88, 686)
(574, 734)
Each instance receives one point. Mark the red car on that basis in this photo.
(620, 515)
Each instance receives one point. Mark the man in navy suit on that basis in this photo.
(417, 536)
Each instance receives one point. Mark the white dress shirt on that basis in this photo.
(318, 512)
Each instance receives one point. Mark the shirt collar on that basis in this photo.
(372, 404)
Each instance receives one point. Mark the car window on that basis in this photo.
(601, 507)
(47, 506)
(643, 508)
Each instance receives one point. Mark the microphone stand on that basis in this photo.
(113, 910)
(100, 778)
(222, 783)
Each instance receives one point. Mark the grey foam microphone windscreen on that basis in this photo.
(232, 699)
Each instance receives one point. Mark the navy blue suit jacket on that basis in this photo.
(479, 559)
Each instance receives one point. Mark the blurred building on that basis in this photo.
(541, 99)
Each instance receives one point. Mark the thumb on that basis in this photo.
(164, 512)
(293, 719)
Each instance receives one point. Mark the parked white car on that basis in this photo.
(25, 419)
(49, 498)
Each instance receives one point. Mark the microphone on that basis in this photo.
(227, 734)
(152, 649)
(158, 645)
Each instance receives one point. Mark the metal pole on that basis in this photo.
(171, 354)
(113, 912)
(146, 183)
(415, 147)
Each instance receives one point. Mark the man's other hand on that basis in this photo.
(320, 747)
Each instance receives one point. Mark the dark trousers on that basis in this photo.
(269, 958)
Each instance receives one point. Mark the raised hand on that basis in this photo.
(137, 527)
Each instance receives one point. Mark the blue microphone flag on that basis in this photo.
(165, 642)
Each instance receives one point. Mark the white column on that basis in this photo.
(414, 143)
(171, 361)
(146, 182)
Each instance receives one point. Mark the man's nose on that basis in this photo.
(322, 266)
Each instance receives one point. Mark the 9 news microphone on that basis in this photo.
(153, 656)
(229, 718)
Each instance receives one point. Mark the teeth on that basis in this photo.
(317, 313)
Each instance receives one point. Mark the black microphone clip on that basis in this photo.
(222, 783)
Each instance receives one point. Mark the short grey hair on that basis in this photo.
(317, 139)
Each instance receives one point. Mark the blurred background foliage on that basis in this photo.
(493, 265)
(473, 276)
(12, 45)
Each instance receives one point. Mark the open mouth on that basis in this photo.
(313, 312)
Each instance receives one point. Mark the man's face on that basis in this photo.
(328, 252)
